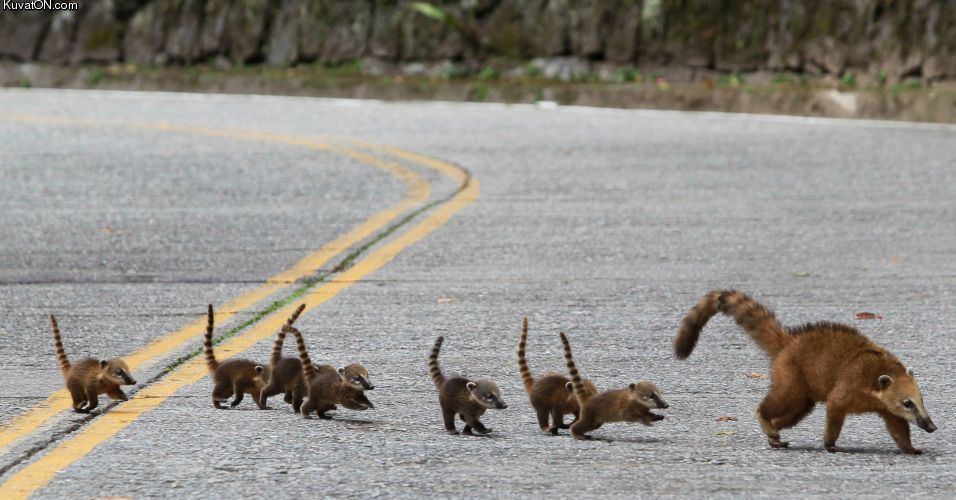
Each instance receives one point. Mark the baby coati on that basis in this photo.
(463, 397)
(233, 377)
(285, 373)
(90, 377)
(328, 387)
(817, 362)
(551, 395)
(622, 405)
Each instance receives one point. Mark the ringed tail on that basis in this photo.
(308, 370)
(58, 344)
(758, 321)
(277, 347)
(437, 377)
(573, 370)
(526, 377)
(295, 314)
(211, 361)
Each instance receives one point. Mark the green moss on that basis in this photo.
(95, 76)
(103, 37)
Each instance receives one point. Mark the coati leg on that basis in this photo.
(543, 419)
(117, 394)
(474, 423)
(238, 399)
(557, 420)
(899, 428)
(92, 399)
(448, 415)
(466, 430)
(296, 402)
(271, 390)
(835, 418)
(287, 398)
(220, 393)
(307, 408)
(779, 405)
(257, 397)
(797, 413)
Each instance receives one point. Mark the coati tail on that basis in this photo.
(58, 344)
(211, 361)
(526, 377)
(758, 321)
(308, 370)
(576, 381)
(437, 377)
(295, 314)
(277, 347)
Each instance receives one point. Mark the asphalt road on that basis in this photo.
(605, 224)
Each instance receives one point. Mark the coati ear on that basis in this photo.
(471, 386)
(631, 386)
(909, 371)
(885, 381)
(259, 369)
(104, 363)
(569, 386)
(341, 371)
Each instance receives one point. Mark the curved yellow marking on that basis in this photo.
(41, 472)
(418, 190)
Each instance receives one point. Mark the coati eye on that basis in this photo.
(908, 404)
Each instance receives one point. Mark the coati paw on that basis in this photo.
(553, 431)
(325, 417)
(452, 432)
(776, 443)
(913, 451)
(483, 431)
(656, 418)
(833, 448)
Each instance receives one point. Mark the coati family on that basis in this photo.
(818, 362)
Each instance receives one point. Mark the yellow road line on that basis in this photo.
(41, 472)
(417, 188)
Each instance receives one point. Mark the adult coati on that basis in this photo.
(328, 386)
(621, 405)
(285, 373)
(460, 396)
(817, 362)
(551, 395)
(234, 376)
(89, 377)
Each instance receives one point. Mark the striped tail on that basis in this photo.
(211, 361)
(295, 314)
(58, 344)
(576, 382)
(526, 377)
(280, 337)
(308, 369)
(437, 377)
(758, 321)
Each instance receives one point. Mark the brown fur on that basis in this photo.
(285, 373)
(818, 362)
(88, 378)
(552, 395)
(465, 398)
(328, 387)
(621, 405)
(233, 377)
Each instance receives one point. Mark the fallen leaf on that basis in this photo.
(448, 300)
(108, 230)
(867, 315)
(726, 419)
(800, 274)
(726, 433)
(760, 376)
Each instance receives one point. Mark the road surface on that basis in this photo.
(126, 213)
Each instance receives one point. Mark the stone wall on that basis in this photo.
(890, 38)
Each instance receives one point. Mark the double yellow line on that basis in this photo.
(40, 472)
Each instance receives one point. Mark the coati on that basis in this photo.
(551, 395)
(328, 386)
(816, 362)
(90, 377)
(463, 397)
(621, 405)
(285, 373)
(233, 377)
